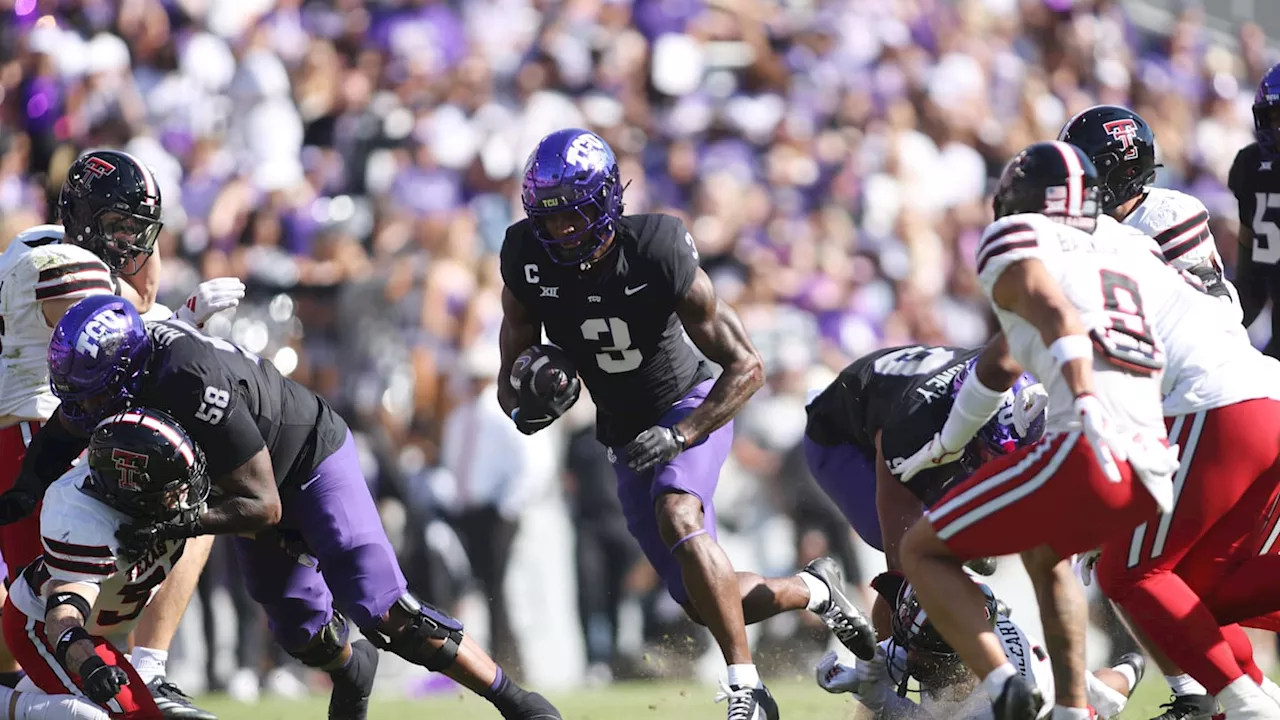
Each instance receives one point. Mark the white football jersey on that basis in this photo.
(1110, 299)
(1209, 361)
(38, 266)
(1180, 225)
(78, 532)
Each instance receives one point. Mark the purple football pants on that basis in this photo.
(696, 471)
(334, 514)
(848, 477)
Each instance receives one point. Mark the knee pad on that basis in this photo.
(325, 646)
(410, 640)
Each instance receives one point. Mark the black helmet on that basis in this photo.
(1122, 147)
(142, 463)
(110, 205)
(1053, 179)
(929, 658)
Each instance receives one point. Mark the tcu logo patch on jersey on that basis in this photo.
(99, 327)
(1125, 131)
(131, 466)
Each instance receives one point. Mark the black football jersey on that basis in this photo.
(234, 403)
(1256, 185)
(903, 393)
(617, 321)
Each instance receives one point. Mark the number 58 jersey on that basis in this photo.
(78, 532)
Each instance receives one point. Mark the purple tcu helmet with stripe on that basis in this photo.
(1265, 115)
(97, 357)
(572, 176)
(999, 436)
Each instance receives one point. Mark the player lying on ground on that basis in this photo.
(618, 293)
(141, 468)
(286, 481)
(948, 690)
(111, 207)
(1103, 464)
(880, 410)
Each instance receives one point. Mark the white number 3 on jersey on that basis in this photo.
(688, 237)
(214, 405)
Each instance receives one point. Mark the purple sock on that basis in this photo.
(498, 680)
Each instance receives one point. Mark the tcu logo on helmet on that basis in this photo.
(93, 332)
(1125, 131)
(131, 466)
(588, 151)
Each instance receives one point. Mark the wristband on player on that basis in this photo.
(75, 600)
(1071, 347)
(68, 638)
(973, 407)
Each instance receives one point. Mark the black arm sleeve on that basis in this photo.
(49, 455)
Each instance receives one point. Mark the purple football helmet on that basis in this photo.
(999, 436)
(572, 194)
(97, 357)
(1265, 103)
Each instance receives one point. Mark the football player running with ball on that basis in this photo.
(286, 481)
(618, 293)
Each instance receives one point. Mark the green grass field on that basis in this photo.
(799, 700)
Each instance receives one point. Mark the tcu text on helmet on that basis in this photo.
(94, 330)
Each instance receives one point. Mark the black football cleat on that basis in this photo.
(349, 699)
(173, 703)
(984, 566)
(1018, 701)
(1138, 662)
(846, 621)
(534, 707)
(748, 703)
(1190, 707)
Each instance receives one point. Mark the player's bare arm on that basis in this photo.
(1027, 289)
(897, 507)
(65, 611)
(520, 329)
(248, 500)
(718, 332)
(996, 367)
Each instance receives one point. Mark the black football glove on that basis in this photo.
(17, 503)
(101, 682)
(535, 413)
(137, 539)
(654, 446)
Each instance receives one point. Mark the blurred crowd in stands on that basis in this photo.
(356, 162)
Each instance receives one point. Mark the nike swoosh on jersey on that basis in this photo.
(634, 290)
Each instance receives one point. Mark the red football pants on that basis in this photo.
(1228, 475)
(20, 541)
(26, 639)
(1052, 492)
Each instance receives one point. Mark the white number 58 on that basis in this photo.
(215, 402)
